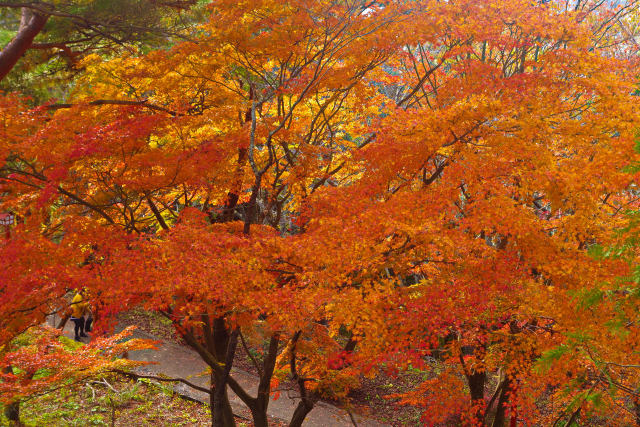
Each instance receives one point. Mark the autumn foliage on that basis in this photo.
(351, 187)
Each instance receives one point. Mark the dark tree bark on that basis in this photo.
(476, 382)
(12, 413)
(307, 401)
(224, 347)
(63, 320)
(501, 408)
(218, 352)
(303, 408)
(260, 404)
(12, 410)
(221, 406)
(31, 24)
(221, 412)
(475, 379)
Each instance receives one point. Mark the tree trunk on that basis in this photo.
(224, 346)
(31, 24)
(259, 415)
(303, 408)
(307, 401)
(218, 353)
(351, 344)
(260, 404)
(12, 410)
(501, 409)
(12, 413)
(221, 413)
(476, 384)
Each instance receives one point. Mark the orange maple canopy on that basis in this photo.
(351, 185)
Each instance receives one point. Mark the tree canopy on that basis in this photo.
(347, 186)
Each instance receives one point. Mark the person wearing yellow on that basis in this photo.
(79, 306)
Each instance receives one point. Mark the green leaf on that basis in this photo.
(597, 252)
(548, 357)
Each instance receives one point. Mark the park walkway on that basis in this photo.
(176, 361)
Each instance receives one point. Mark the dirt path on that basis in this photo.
(177, 361)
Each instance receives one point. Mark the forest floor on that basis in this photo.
(368, 404)
(370, 400)
(150, 402)
(115, 401)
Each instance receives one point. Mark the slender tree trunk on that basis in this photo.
(31, 24)
(218, 352)
(12, 410)
(221, 406)
(501, 409)
(224, 347)
(259, 415)
(303, 408)
(351, 344)
(234, 193)
(12, 413)
(307, 401)
(221, 412)
(260, 404)
(477, 381)
(252, 208)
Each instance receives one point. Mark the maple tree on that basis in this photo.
(500, 162)
(34, 359)
(339, 184)
(144, 165)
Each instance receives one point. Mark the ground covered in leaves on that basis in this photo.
(115, 402)
(371, 399)
(151, 323)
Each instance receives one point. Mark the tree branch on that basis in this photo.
(31, 23)
(142, 103)
(153, 377)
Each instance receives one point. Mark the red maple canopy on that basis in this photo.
(347, 186)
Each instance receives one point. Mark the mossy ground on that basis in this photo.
(130, 403)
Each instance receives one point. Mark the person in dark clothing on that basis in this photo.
(78, 327)
(89, 320)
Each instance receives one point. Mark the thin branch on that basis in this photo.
(353, 419)
(97, 102)
(153, 377)
(156, 212)
(253, 359)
